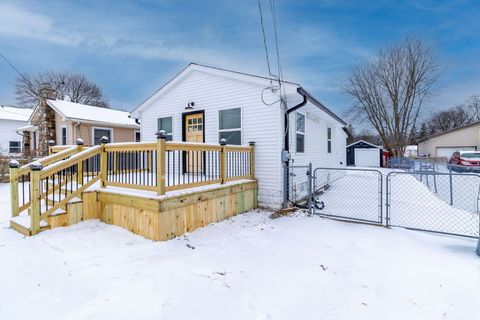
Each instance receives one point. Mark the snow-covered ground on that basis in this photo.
(248, 267)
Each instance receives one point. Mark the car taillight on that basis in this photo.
(464, 162)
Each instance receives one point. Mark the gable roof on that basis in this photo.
(366, 142)
(292, 86)
(15, 114)
(450, 130)
(90, 114)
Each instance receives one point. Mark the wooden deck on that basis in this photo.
(159, 190)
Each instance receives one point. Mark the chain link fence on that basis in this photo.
(297, 182)
(434, 201)
(416, 195)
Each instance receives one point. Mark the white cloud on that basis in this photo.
(20, 23)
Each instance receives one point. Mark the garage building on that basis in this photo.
(364, 154)
(465, 138)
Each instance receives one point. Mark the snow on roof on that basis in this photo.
(12, 113)
(85, 112)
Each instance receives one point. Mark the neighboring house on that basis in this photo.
(410, 151)
(205, 104)
(364, 154)
(464, 138)
(69, 121)
(10, 119)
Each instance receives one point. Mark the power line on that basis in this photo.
(264, 38)
(11, 65)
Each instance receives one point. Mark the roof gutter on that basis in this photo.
(287, 113)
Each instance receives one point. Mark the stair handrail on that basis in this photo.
(40, 173)
(17, 172)
(45, 161)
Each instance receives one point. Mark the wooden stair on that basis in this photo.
(70, 214)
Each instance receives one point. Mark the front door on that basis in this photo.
(194, 129)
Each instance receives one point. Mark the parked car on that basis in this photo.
(465, 161)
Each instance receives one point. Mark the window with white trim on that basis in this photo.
(329, 140)
(300, 132)
(98, 133)
(166, 125)
(230, 126)
(63, 135)
(14, 147)
(137, 136)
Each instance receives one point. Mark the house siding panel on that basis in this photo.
(466, 137)
(8, 133)
(260, 123)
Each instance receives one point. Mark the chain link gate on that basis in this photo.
(348, 193)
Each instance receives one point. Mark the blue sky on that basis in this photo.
(130, 48)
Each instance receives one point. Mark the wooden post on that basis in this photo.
(35, 170)
(51, 143)
(79, 143)
(161, 146)
(14, 165)
(252, 159)
(223, 162)
(103, 162)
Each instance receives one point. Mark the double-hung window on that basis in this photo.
(166, 125)
(329, 140)
(14, 147)
(300, 132)
(230, 126)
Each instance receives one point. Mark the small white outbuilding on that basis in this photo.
(12, 118)
(205, 104)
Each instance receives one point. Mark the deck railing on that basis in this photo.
(48, 184)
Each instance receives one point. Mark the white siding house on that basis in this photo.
(221, 95)
(10, 120)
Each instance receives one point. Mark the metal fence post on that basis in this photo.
(387, 200)
(285, 185)
(478, 242)
(310, 189)
(451, 185)
(381, 197)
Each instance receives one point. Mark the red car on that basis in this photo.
(465, 161)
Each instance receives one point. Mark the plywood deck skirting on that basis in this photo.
(167, 217)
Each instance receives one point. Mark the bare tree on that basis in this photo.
(390, 90)
(473, 106)
(76, 86)
(450, 119)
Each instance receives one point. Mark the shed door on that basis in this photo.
(367, 157)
